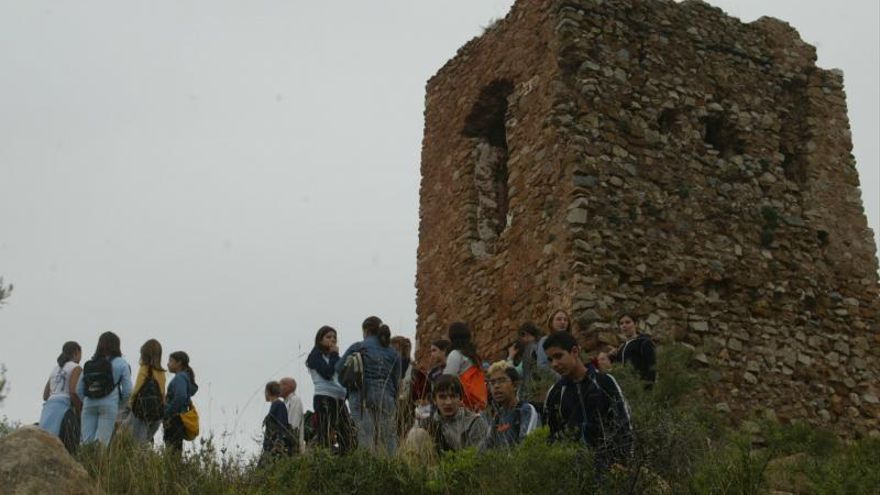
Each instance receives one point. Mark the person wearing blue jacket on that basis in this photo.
(177, 400)
(373, 406)
(329, 401)
(101, 408)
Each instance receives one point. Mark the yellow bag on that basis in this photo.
(190, 420)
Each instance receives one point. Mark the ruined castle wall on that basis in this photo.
(466, 269)
(724, 204)
(670, 160)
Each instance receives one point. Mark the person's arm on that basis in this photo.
(139, 382)
(326, 369)
(396, 372)
(46, 391)
(478, 430)
(551, 411)
(489, 441)
(541, 359)
(81, 388)
(614, 354)
(176, 396)
(649, 354)
(73, 386)
(529, 421)
(160, 379)
(297, 420)
(124, 380)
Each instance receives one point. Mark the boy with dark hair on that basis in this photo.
(454, 427)
(586, 405)
(509, 418)
(638, 350)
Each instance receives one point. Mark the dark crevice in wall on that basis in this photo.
(487, 125)
(794, 133)
(721, 135)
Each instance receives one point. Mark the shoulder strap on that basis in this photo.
(517, 421)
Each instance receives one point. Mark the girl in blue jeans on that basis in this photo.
(99, 413)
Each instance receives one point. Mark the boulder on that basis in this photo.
(35, 461)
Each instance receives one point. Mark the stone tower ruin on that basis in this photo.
(666, 159)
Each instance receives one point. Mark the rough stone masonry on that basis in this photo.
(663, 158)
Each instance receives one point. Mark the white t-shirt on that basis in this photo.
(295, 416)
(59, 379)
(457, 363)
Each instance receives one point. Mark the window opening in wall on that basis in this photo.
(667, 120)
(721, 135)
(486, 125)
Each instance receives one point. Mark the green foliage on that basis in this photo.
(850, 470)
(322, 472)
(2, 382)
(680, 448)
(129, 467)
(5, 291)
(6, 426)
(731, 469)
(536, 467)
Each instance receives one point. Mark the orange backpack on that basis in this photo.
(473, 381)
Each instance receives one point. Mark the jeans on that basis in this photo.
(143, 431)
(98, 421)
(173, 432)
(53, 413)
(376, 424)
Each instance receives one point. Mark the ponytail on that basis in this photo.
(67, 351)
(373, 326)
(460, 340)
(182, 358)
(384, 335)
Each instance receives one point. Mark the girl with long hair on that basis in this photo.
(329, 401)
(373, 406)
(559, 321)
(60, 414)
(106, 386)
(177, 400)
(464, 362)
(148, 393)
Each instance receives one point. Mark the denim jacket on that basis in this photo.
(381, 369)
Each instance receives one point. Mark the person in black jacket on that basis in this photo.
(586, 405)
(277, 435)
(638, 350)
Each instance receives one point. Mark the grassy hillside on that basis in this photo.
(682, 448)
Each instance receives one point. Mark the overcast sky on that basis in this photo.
(227, 177)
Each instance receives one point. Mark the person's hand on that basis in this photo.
(511, 351)
(334, 348)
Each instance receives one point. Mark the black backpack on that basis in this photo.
(147, 404)
(98, 378)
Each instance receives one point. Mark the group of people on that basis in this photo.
(373, 395)
(89, 402)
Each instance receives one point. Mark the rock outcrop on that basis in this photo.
(33, 461)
